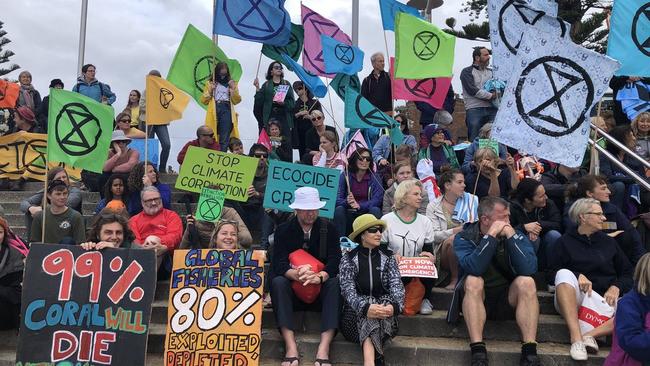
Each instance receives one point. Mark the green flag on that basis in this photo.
(341, 81)
(422, 50)
(293, 48)
(194, 63)
(210, 205)
(79, 130)
(360, 113)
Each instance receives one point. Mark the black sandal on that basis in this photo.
(322, 361)
(290, 360)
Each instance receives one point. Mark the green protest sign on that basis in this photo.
(79, 130)
(194, 63)
(489, 143)
(285, 178)
(231, 173)
(210, 205)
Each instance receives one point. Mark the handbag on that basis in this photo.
(593, 312)
(413, 297)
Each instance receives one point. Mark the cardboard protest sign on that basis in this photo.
(417, 267)
(86, 307)
(215, 308)
(210, 205)
(22, 154)
(233, 174)
(285, 178)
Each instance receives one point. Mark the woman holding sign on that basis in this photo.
(410, 234)
(224, 92)
(372, 290)
(274, 99)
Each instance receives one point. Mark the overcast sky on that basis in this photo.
(126, 39)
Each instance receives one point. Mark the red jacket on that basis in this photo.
(166, 225)
(181, 155)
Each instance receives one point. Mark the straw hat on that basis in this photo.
(363, 223)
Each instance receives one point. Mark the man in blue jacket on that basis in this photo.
(89, 86)
(496, 264)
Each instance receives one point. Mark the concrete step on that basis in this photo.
(18, 196)
(403, 350)
(18, 219)
(551, 328)
(87, 207)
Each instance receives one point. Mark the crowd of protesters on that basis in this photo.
(489, 217)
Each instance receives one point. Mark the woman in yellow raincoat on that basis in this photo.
(221, 95)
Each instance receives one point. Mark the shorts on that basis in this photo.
(566, 276)
(496, 303)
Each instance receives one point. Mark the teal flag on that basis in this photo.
(79, 130)
(293, 48)
(360, 113)
(629, 37)
(388, 10)
(341, 81)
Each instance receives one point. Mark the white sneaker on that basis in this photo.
(578, 351)
(426, 308)
(590, 344)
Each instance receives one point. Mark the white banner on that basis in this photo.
(546, 105)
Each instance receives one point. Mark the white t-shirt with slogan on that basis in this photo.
(407, 238)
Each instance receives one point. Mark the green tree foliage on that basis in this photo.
(587, 19)
(5, 54)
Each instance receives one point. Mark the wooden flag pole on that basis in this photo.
(259, 62)
(43, 213)
(146, 145)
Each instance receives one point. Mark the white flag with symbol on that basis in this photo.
(546, 105)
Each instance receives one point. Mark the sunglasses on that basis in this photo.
(125, 120)
(365, 158)
(299, 88)
(277, 67)
(316, 119)
(375, 229)
(259, 156)
(207, 135)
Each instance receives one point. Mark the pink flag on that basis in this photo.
(355, 142)
(315, 25)
(265, 140)
(432, 91)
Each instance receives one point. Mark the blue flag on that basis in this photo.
(629, 37)
(340, 57)
(360, 113)
(314, 83)
(389, 8)
(263, 21)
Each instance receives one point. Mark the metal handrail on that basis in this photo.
(620, 145)
(642, 181)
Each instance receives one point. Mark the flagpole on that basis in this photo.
(355, 22)
(259, 62)
(329, 95)
(43, 213)
(215, 37)
(594, 164)
(146, 145)
(82, 38)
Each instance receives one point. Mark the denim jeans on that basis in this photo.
(224, 125)
(475, 118)
(162, 133)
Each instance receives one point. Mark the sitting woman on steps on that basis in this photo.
(372, 290)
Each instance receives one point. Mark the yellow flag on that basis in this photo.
(165, 102)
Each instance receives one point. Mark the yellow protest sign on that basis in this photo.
(165, 102)
(215, 308)
(22, 155)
